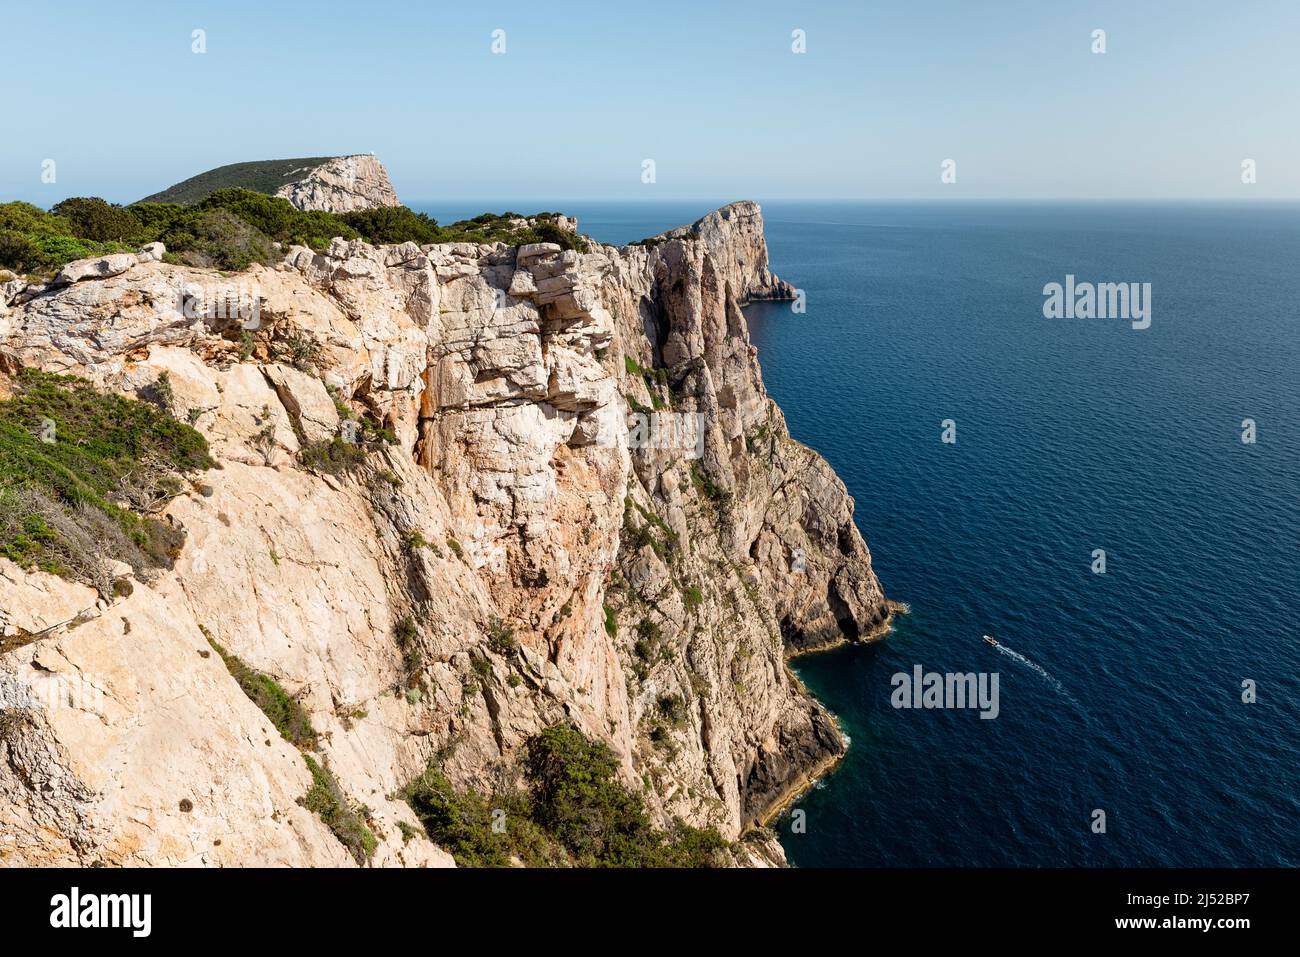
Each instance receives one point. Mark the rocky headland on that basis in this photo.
(451, 505)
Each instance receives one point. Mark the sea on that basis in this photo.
(1118, 506)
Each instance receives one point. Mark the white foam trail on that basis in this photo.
(1041, 672)
(1032, 666)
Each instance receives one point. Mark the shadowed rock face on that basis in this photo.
(584, 445)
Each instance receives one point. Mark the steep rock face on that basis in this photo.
(584, 448)
(733, 237)
(341, 185)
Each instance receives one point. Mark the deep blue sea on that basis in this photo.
(1072, 435)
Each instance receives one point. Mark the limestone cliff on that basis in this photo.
(583, 453)
(341, 185)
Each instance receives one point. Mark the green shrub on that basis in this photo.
(283, 710)
(575, 812)
(704, 484)
(19, 252)
(672, 708)
(464, 824)
(93, 218)
(664, 544)
(278, 218)
(332, 456)
(501, 638)
(224, 241)
(412, 540)
(326, 799)
(230, 229)
(649, 646)
(394, 224)
(34, 241)
(578, 798)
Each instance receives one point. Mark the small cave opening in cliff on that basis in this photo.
(843, 615)
(655, 326)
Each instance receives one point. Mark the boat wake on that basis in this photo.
(1031, 665)
(1037, 669)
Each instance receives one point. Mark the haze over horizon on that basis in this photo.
(575, 105)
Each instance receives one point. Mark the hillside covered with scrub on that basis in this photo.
(231, 229)
(260, 176)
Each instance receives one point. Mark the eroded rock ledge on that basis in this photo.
(654, 594)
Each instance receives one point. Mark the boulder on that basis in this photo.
(101, 267)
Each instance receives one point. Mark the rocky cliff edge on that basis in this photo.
(582, 455)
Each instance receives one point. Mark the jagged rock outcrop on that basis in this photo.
(733, 237)
(341, 185)
(583, 453)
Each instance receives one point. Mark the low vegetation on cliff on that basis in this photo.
(82, 474)
(574, 812)
(325, 797)
(260, 176)
(232, 228)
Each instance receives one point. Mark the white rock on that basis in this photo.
(100, 267)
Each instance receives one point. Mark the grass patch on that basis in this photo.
(656, 533)
(325, 798)
(70, 504)
(656, 383)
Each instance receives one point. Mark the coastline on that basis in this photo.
(809, 778)
(876, 633)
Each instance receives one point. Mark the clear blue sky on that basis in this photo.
(712, 92)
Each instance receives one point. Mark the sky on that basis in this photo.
(713, 93)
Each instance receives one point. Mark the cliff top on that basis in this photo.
(329, 183)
